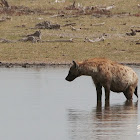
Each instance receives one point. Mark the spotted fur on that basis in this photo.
(108, 74)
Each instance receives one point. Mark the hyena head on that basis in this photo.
(73, 72)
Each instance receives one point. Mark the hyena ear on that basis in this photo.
(75, 65)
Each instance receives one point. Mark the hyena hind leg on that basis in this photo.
(129, 93)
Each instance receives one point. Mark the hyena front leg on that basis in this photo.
(107, 92)
(99, 92)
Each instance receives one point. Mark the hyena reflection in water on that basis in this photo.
(108, 74)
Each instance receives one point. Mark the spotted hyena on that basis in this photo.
(108, 74)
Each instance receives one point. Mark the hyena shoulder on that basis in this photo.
(100, 65)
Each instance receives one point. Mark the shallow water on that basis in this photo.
(38, 104)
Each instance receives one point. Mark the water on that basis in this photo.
(38, 104)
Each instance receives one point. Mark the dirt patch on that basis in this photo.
(20, 10)
(89, 10)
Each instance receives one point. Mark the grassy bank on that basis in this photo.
(116, 46)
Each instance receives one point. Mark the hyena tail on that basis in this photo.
(136, 91)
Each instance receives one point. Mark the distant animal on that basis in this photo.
(36, 34)
(108, 74)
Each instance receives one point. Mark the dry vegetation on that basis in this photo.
(87, 19)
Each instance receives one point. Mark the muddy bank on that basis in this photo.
(29, 65)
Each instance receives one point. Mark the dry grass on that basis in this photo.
(117, 45)
(121, 5)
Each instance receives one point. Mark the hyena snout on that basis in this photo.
(73, 72)
(70, 78)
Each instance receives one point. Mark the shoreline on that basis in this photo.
(30, 65)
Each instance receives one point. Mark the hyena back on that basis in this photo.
(108, 74)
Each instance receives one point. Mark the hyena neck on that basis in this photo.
(88, 70)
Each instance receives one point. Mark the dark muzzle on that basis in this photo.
(70, 78)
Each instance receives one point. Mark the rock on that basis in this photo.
(47, 25)
(132, 33)
(33, 39)
(6, 41)
(36, 34)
